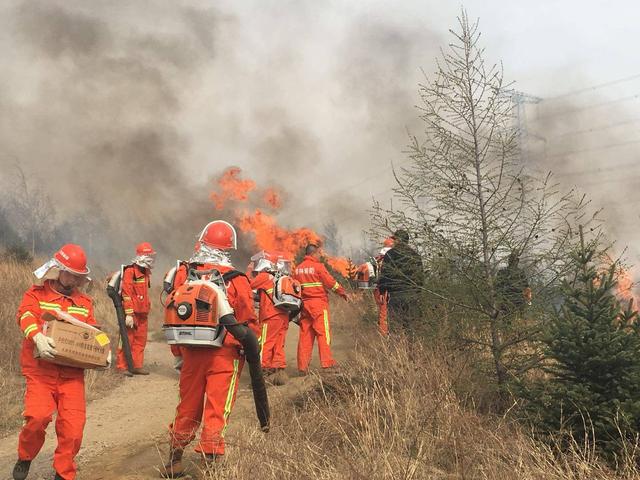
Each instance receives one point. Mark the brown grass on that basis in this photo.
(395, 411)
(15, 279)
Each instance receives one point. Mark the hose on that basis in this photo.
(249, 342)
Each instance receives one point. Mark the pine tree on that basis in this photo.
(591, 386)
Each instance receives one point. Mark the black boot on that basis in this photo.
(173, 468)
(21, 469)
(58, 477)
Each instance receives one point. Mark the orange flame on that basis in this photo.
(626, 286)
(232, 187)
(272, 198)
(267, 233)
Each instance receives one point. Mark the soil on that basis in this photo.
(125, 436)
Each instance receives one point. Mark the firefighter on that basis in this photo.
(274, 321)
(513, 287)
(316, 281)
(381, 299)
(209, 377)
(402, 279)
(51, 387)
(136, 281)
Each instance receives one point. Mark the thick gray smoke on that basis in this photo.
(589, 143)
(122, 113)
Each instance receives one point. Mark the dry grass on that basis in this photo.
(15, 279)
(395, 411)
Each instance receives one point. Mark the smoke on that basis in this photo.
(589, 143)
(123, 113)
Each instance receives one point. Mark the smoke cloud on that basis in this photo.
(124, 113)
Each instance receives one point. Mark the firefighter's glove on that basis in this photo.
(128, 321)
(177, 363)
(45, 345)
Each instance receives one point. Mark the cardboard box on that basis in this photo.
(78, 345)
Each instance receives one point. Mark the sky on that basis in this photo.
(142, 104)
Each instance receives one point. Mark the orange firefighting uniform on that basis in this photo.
(382, 299)
(274, 321)
(214, 372)
(136, 302)
(51, 387)
(314, 318)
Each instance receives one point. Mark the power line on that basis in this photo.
(593, 87)
(589, 107)
(596, 129)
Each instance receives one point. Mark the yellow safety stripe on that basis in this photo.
(263, 338)
(49, 306)
(270, 291)
(311, 284)
(25, 315)
(139, 280)
(30, 329)
(229, 402)
(327, 333)
(128, 311)
(335, 287)
(126, 298)
(79, 310)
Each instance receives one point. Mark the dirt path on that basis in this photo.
(125, 435)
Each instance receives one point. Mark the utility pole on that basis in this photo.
(519, 100)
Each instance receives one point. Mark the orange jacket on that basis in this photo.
(264, 284)
(135, 290)
(316, 281)
(36, 301)
(239, 293)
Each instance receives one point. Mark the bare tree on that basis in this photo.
(30, 209)
(468, 204)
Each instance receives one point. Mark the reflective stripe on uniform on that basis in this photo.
(128, 311)
(335, 287)
(229, 402)
(139, 280)
(26, 314)
(49, 306)
(327, 333)
(270, 291)
(79, 310)
(29, 329)
(311, 284)
(263, 338)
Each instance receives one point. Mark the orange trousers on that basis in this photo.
(382, 300)
(274, 334)
(209, 382)
(314, 322)
(44, 395)
(137, 340)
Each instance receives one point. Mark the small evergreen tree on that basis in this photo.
(591, 385)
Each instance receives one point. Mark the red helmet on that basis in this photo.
(219, 234)
(72, 258)
(145, 248)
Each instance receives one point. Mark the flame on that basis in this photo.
(232, 187)
(270, 236)
(267, 233)
(626, 285)
(272, 198)
(341, 265)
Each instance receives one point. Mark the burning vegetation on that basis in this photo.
(255, 209)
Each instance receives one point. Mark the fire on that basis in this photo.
(268, 234)
(232, 187)
(272, 198)
(626, 286)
